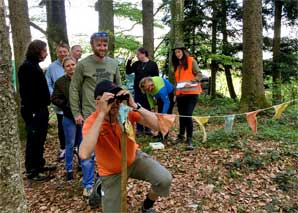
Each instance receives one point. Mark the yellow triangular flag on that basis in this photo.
(201, 121)
(129, 128)
(279, 109)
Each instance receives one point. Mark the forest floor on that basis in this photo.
(236, 172)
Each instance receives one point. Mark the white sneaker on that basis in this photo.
(87, 192)
(62, 154)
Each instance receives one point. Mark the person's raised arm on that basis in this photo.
(129, 68)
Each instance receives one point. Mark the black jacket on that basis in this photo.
(33, 88)
(141, 70)
(60, 96)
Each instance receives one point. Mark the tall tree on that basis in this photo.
(253, 92)
(225, 48)
(106, 21)
(11, 182)
(176, 34)
(56, 25)
(21, 36)
(148, 30)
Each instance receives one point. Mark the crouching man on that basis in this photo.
(102, 133)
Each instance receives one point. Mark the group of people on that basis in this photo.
(87, 95)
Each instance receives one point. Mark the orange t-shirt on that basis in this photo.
(108, 147)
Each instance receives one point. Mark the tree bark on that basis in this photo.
(253, 92)
(148, 30)
(106, 21)
(276, 73)
(56, 25)
(213, 50)
(21, 37)
(11, 182)
(176, 34)
(226, 51)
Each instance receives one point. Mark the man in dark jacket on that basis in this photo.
(35, 98)
(142, 68)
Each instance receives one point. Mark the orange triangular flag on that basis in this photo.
(279, 109)
(201, 121)
(165, 121)
(251, 118)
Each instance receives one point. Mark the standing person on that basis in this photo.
(72, 131)
(89, 71)
(144, 67)
(102, 133)
(55, 71)
(76, 52)
(187, 77)
(35, 98)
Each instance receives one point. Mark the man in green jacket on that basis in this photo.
(90, 71)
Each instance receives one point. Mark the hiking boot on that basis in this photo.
(179, 139)
(95, 196)
(37, 177)
(150, 210)
(189, 145)
(49, 168)
(69, 176)
(61, 154)
(87, 192)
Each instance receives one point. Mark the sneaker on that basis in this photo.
(69, 176)
(87, 192)
(37, 177)
(62, 154)
(95, 196)
(150, 210)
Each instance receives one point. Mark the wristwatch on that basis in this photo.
(137, 107)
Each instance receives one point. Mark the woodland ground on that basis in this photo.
(236, 172)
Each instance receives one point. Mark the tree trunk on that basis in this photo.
(148, 30)
(106, 21)
(213, 50)
(11, 182)
(253, 92)
(176, 35)
(276, 74)
(21, 36)
(225, 50)
(56, 25)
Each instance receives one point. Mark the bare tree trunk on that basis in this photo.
(213, 50)
(176, 35)
(21, 36)
(11, 182)
(253, 92)
(106, 21)
(225, 50)
(148, 30)
(276, 74)
(56, 25)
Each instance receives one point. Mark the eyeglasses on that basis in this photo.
(100, 34)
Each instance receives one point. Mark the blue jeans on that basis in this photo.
(73, 136)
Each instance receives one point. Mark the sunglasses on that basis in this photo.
(100, 34)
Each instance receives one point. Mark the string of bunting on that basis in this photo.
(167, 120)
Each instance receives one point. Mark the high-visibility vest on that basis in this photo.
(186, 75)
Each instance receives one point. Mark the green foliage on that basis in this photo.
(287, 180)
(125, 44)
(226, 60)
(128, 10)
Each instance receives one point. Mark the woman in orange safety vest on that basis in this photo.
(187, 87)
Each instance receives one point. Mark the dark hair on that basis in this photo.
(143, 51)
(176, 61)
(62, 45)
(34, 49)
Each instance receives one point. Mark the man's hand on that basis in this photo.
(103, 105)
(79, 119)
(130, 101)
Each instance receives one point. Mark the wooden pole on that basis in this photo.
(123, 172)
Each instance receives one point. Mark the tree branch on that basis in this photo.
(38, 28)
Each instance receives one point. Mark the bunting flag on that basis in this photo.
(165, 121)
(201, 121)
(251, 118)
(229, 121)
(279, 110)
(129, 129)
